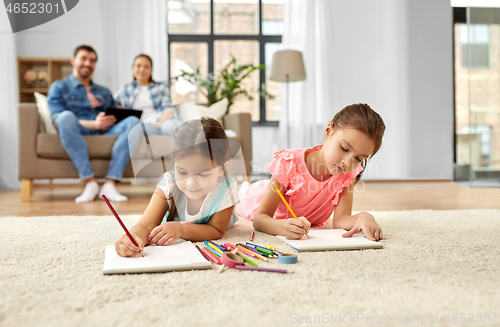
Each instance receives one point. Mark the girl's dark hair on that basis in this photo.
(142, 55)
(189, 139)
(361, 117)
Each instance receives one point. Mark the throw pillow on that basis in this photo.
(44, 113)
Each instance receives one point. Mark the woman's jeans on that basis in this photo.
(71, 134)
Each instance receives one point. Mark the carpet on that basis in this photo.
(436, 268)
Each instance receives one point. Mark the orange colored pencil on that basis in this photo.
(286, 203)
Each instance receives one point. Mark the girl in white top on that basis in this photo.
(195, 200)
(149, 96)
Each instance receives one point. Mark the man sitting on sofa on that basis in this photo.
(77, 107)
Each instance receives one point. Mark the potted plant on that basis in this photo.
(228, 84)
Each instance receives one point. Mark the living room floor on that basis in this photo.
(58, 199)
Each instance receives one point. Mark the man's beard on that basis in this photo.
(79, 71)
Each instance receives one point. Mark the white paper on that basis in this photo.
(178, 256)
(330, 239)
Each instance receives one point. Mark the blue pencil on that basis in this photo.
(213, 251)
(262, 249)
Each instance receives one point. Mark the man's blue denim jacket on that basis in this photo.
(70, 94)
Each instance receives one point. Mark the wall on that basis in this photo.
(430, 89)
(9, 130)
(59, 37)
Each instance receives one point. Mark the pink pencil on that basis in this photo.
(282, 271)
(240, 249)
(211, 256)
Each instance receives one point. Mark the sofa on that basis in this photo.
(42, 156)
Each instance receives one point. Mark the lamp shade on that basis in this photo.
(287, 62)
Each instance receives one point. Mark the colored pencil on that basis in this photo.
(249, 248)
(252, 235)
(254, 254)
(247, 260)
(263, 251)
(245, 251)
(260, 248)
(270, 247)
(203, 253)
(121, 222)
(229, 244)
(211, 256)
(282, 271)
(216, 248)
(236, 250)
(286, 203)
(217, 254)
(232, 246)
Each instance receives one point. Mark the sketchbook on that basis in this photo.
(330, 239)
(178, 256)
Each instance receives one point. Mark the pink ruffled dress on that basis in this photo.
(307, 196)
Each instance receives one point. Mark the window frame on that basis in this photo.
(210, 40)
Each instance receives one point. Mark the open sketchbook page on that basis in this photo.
(330, 239)
(178, 256)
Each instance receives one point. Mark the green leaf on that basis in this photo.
(228, 84)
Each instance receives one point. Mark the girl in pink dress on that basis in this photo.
(317, 181)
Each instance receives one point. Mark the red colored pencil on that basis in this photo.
(211, 256)
(251, 236)
(121, 222)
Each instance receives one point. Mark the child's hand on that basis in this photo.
(368, 225)
(294, 229)
(166, 233)
(125, 248)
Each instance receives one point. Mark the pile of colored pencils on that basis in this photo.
(213, 251)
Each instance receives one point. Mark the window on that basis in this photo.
(475, 41)
(484, 137)
(205, 33)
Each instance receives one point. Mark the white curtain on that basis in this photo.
(155, 36)
(131, 27)
(9, 136)
(308, 29)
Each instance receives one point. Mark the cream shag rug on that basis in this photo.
(434, 264)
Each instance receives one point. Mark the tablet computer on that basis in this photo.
(121, 114)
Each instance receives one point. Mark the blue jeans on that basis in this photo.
(167, 128)
(71, 134)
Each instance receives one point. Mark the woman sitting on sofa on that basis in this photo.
(149, 96)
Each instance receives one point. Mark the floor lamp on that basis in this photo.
(287, 66)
